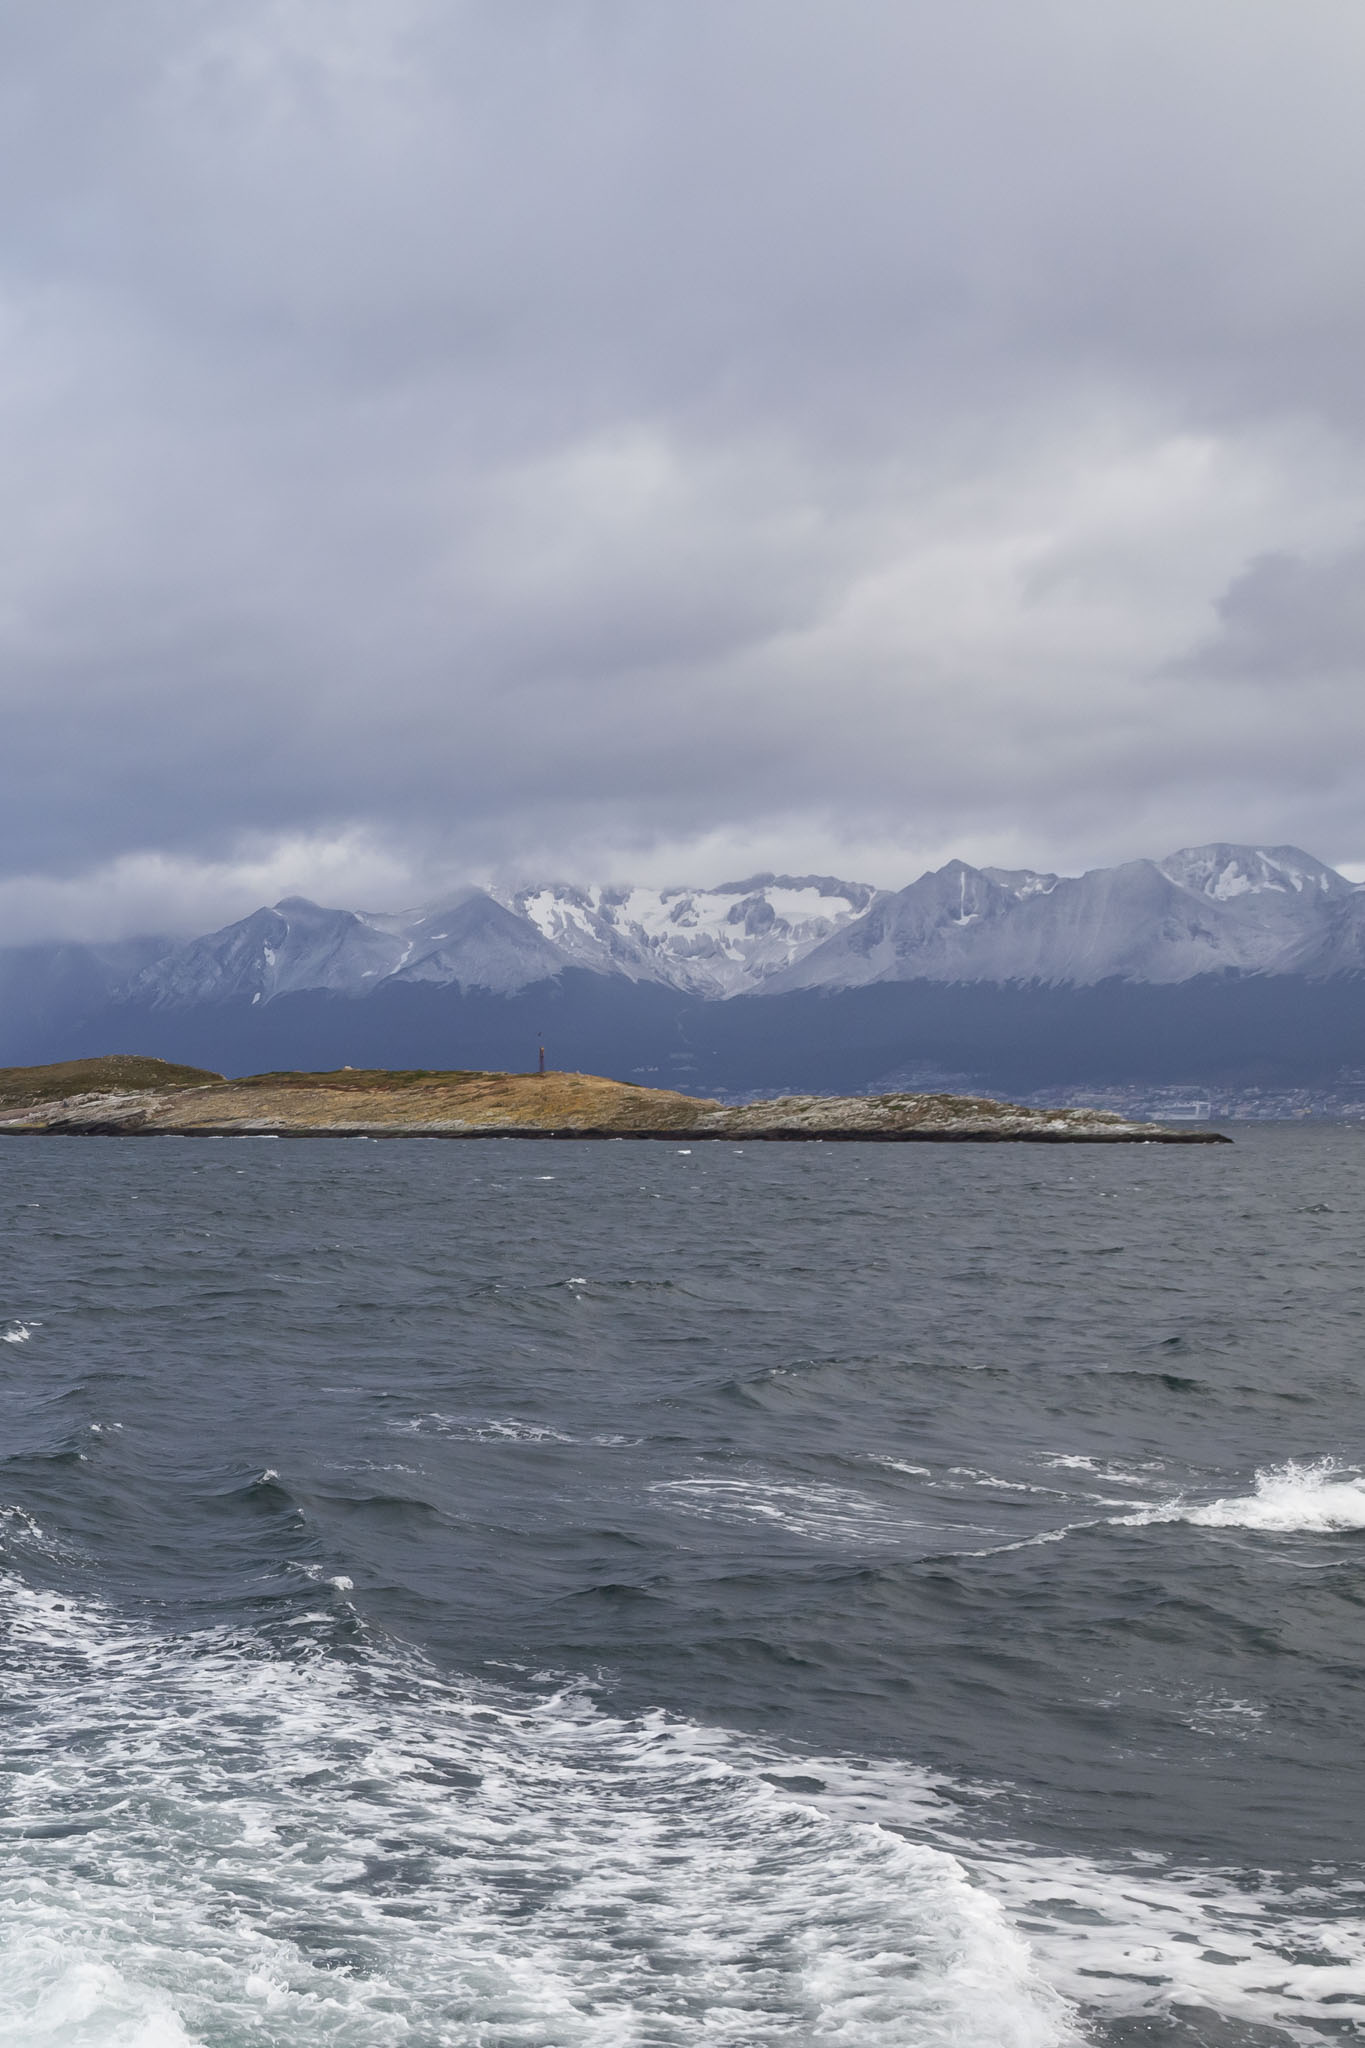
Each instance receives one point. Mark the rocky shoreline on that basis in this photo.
(124, 1096)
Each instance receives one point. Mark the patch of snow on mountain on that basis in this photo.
(474, 941)
(713, 942)
(1021, 883)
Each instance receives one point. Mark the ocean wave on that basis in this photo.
(492, 1429)
(64, 1997)
(821, 1513)
(206, 1839)
(318, 1574)
(313, 1850)
(1121, 1943)
(1321, 1497)
(1318, 1498)
(1131, 1941)
(1114, 1471)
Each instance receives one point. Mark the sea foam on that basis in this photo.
(212, 1838)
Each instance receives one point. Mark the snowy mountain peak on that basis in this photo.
(297, 945)
(1207, 910)
(1224, 872)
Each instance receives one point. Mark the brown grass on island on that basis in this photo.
(135, 1091)
(460, 1098)
(125, 1095)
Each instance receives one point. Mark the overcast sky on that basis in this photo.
(665, 438)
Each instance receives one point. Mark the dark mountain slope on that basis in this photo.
(1214, 1030)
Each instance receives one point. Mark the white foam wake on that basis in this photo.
(1319, 1498)
(207, 1841)
(1135, 1942)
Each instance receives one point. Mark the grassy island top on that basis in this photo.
(123, 1095)
(20, 1086)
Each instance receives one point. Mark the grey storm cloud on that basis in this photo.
(546, 433)
(1287, 620)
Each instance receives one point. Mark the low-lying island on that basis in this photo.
(125, 1096)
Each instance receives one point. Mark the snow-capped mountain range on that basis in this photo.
(1207, 909)
(709, 942)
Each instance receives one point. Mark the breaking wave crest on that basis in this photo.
(1318, 1498)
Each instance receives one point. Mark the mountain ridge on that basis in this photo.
(1201, 910)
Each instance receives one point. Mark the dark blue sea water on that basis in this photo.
(524, 1594)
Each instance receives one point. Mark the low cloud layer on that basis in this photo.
(450, 439)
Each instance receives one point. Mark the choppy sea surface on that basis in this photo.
(528, 1594)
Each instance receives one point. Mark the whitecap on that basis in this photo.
(1321, 1497)
(321, 1576)
(22, 1519)
(481, 1429)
